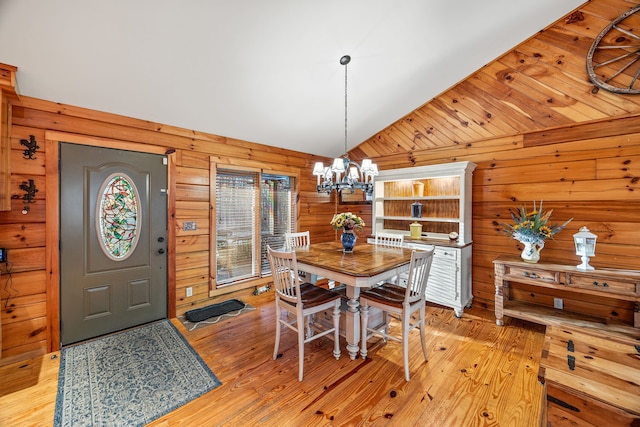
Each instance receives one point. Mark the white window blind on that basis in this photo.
(277, 214)
(236, 228)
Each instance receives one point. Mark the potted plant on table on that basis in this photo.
(532, 229)
(348, 223)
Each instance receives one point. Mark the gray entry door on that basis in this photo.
(113, 232)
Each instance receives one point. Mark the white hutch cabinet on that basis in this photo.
(438, 197)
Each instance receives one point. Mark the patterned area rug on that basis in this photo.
(129, 378)
(192, 326)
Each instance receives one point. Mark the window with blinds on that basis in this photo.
(277, 214)
(236, 227)
(253, 210)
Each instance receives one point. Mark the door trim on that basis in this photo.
(52, 221)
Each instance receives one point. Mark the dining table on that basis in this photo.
(366, 266)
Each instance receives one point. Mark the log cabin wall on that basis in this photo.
(29, 296)
(538, 129)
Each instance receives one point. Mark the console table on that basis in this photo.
(612, 283)
(590, 366)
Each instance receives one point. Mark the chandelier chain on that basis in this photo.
(345, 109)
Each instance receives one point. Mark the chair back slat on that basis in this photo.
(419, 269)
(297, 240)
(284, 273)
(389, 239)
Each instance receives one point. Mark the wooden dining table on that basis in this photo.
(363, 268)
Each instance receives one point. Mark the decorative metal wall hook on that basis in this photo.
(30, 190)
(32, 146)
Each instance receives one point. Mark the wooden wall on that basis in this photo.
(538, 85)
(538, 130)
(29, 296)
(595, 181)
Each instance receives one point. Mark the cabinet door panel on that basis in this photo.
(443, 278)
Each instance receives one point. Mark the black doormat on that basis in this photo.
(204, 313)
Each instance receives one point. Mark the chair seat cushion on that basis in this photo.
(387, 293)
(312, 295)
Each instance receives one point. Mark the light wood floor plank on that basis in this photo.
(478, 374)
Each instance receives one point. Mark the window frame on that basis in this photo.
(292, 173)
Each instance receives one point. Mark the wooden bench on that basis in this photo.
(590, 377)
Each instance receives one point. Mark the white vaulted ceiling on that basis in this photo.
(265, 71)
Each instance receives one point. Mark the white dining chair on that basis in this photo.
(299, 239)
(301, 300)
(302, 239)
(398, 302)
(389, 239)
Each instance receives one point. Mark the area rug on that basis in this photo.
(129, 378)
(214, 313)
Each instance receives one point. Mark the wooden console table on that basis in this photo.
(590, 366)
(611, 283)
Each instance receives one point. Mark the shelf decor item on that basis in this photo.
(585, 242)
(532, 229)
(415, 230)
(349, 224)
(417, 190)
(416, 210)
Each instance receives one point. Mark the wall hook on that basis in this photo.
(32, 146)
(30, 190)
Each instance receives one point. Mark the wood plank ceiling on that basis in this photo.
(541, 84)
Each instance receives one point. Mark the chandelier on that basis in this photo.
(345, 174)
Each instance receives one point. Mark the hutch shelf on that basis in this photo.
(438, 197)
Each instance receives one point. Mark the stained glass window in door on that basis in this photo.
(117, 216)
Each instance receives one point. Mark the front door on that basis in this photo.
(113, 231)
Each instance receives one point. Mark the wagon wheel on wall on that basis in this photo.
(613, 61)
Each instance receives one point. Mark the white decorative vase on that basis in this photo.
(531, 252)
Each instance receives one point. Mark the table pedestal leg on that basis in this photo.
(353, 321)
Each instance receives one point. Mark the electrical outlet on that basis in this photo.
(189, 292)
(557, 303)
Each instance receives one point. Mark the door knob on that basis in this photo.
(160, 239)
(160, 251)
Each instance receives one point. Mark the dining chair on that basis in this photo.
(297, 240)
(302, 239)
(400, 303)
(302, 300)
(389, 239)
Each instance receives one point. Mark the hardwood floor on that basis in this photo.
(478, 374)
